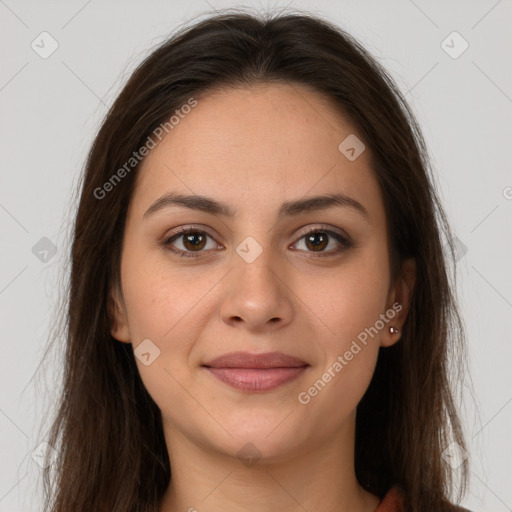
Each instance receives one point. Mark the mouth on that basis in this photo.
(256, 372)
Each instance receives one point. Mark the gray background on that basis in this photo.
(51, 109)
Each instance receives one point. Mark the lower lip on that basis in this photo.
(254, 379)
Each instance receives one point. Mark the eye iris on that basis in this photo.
(314, 239)
(192, 238)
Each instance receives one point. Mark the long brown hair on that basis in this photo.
(107, 430)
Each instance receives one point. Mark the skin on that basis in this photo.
(254, 148)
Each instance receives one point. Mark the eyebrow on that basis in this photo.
(288, 208)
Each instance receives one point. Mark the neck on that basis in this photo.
(319, 477)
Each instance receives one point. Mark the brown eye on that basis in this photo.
(194, 241)
(318, 240)
(189, 241)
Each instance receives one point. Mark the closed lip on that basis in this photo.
(255, 361)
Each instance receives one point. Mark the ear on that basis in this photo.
(399, 301)
(117, 316)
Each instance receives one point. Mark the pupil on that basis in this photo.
(190, 239)
(320, 242)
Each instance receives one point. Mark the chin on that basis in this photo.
(267, 440)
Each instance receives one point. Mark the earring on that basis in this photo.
(394, 330)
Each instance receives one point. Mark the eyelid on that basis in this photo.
(186, 229)
(325, 228)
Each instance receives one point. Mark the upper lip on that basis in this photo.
(248, 360)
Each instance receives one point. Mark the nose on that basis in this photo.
(257, 296)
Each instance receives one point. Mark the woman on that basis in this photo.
(260, 314)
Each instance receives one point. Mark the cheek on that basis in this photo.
(347, 306)
(169, 308)
(163, 300)
(350, 297)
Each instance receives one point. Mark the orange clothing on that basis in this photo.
(392, 502)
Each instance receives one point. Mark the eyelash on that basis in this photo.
(344, 241)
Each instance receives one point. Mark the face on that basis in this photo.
(258, 274)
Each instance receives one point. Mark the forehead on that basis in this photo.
(258, 143)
